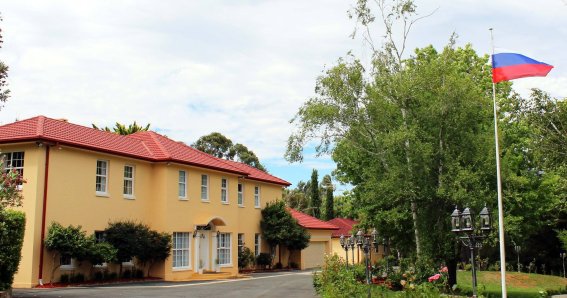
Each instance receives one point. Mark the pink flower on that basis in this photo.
(444, 269)
(434, 277)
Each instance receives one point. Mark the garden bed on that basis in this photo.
(98, 282)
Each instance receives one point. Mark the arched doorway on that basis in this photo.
(205, 236)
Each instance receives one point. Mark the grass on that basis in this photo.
(517, 284)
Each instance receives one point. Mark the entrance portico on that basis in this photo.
(205, 235)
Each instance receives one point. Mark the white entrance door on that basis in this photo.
(204, 255)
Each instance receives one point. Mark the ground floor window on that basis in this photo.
(257, 244)
(223, 250)
(180, 253)
(240, 242)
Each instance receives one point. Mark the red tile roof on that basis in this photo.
(146, 145)
(345, 226)
(310, 222)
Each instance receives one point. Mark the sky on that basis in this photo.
(241, 68)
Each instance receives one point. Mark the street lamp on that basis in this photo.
(366, 243)
(352, 242)
(462, 223)
(563, 255)
(345, 245)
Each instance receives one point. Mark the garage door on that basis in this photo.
(314, 254)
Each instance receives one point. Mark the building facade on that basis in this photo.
(82, 176)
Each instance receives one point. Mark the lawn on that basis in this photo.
(517, 284)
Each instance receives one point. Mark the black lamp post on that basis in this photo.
(366, 243)
(352, 243)
(345, 245)
(462, 224)
(563, 255)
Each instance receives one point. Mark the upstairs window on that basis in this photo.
(257, 196)
(240, 194)
(128, 181)
(182, 185)
(14, 161)
(101, 177)
(204, 187)
(224, 190)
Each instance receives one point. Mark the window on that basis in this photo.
(240, 194)
(240, 242)
(100, 236)
(224, 190)
(223, 249)
(257, 196)
(204, 187)
(181, 246)
(182, 184)
(101, 177)
(257, 244)
(14, 161)
(65, 261)
(129, 181)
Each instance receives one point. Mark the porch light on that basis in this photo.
(485, 224)
(456, 220)
(466, 220)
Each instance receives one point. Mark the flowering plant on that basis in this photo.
(10, 187)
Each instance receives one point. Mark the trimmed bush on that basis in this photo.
(12, 227)
(264, 260)
(245, 257)
(64, 278)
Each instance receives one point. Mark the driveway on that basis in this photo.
(283, 284)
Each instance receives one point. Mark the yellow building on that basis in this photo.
(345, 228)
(82, 176)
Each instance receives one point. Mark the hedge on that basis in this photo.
(12, 226)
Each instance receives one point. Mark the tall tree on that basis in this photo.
(218, 145)
(315, 196)
(4, 93)
(122, 129)
(328, 188)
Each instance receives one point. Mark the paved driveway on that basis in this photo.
(284, 284)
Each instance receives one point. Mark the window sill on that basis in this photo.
(257, 207)
(103, 194)
(240, 206)
(225, 265)
(183, 199)
(225, 203)
(205, 201)
(179, 269)
(129, 197)
(67, 267)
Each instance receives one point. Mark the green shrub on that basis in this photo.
(139, 273)
(77, 278)
(245, 257)
(12, 227)
(293, 265)
(111, 276)
(64, 278)
(264, 259)
(98, 276)
(278, 265)
(127, 273)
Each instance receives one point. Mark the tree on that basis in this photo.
(156, 247)
(4, 93)
(122, 129)
(218, 145)
(315, 197)
(280, 228)
(298, 238)
(128, 239)
(328, 188)
(70, 242)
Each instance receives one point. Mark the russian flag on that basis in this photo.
(509, 66)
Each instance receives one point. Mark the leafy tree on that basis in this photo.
(4, 93)
(298, 238)
(128, 239)
(315, 197)
(68, 241)
(156, 247)
(99, 252)
(122, 129)
(218, 145)
(280, 228)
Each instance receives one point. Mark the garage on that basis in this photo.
(314, 254)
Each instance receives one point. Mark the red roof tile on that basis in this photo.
(345, 226)
(310, 222)
(146, 145)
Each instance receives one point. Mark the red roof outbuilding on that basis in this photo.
(345, 226)
(310, 222)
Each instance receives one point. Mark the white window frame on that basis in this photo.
(224, 190)
(185, 251)
(68, 266)
(240, 242)
(182, 185)
(129, 179)
(9, 164)
(257, 244)
(103, 176)
(205, 188)
(257, 200)
(225, 240)
(241, 194)
(100, 236)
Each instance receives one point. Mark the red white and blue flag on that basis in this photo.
(509, 66)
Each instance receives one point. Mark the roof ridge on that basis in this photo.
(40, 124)
(153, 136)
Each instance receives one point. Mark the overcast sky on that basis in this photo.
(242, 68)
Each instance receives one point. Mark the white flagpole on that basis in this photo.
(499, 186)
